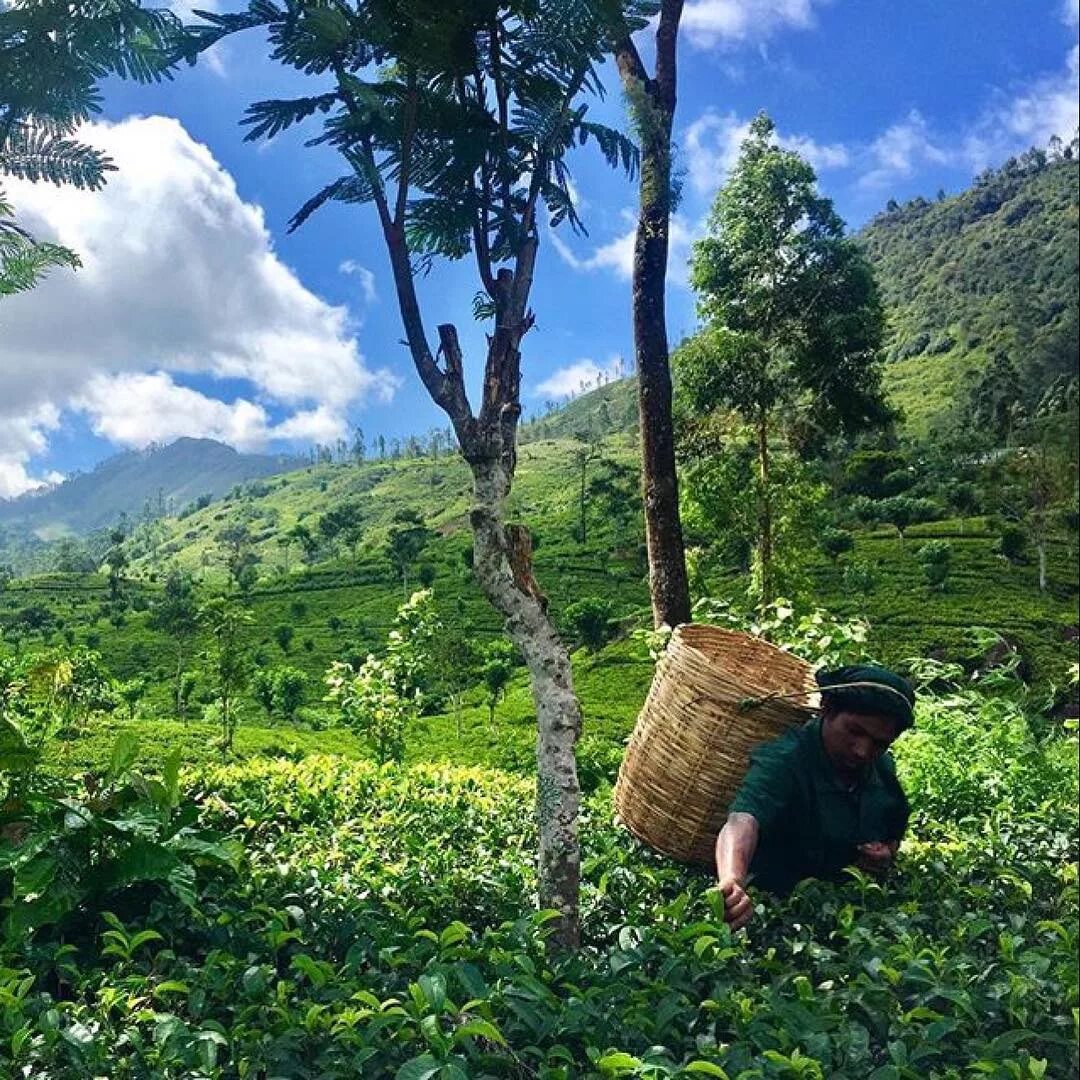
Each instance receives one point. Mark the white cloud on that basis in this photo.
(21, 438)
(1049, 106)
(1009, 125)
(709, 23)
(712, 143)
(617, 255)
(901, 150)
(135, 410)
(1070, 13)
(179, 274)
(577, 377)
(365, 276)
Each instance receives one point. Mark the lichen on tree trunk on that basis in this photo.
(511, 591)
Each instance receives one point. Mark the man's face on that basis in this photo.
(855, 740)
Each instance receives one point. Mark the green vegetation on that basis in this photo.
(265, 811)
(988, 273)
(341, 915)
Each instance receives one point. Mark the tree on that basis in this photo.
(262, 689)
(497, 668)
(407, 538)
(454, 120)
(935, 558)
(131, 692)
(290, 689)
(613, 491)
(381, 699)
(591, 619)
(176, 614)
(283, 635)
(652, 109)
(836, 542)
(457, 662)
(793, 320)
(584, 452)
(52, 56)
(903, 511)
(116, 560)
(227, 661)
(240, 556)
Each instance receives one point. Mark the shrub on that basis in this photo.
(836, 542)
(591, 621)
(1012, 544)
(283, 635)
(935, 558)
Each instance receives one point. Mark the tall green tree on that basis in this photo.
(227, 660)
(53, 54)
(176, 614)
(453, 120)
(793, 321)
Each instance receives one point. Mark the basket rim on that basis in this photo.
(799, 669)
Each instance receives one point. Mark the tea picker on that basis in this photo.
(734, 764)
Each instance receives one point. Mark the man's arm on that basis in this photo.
(735, 847)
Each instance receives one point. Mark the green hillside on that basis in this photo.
(990, 271)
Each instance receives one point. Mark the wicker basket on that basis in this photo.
(690, 748)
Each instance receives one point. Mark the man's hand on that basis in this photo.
(738, 907)
(877, 856)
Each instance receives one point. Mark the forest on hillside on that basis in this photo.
(307, 766)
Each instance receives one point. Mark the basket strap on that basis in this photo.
(752, 702)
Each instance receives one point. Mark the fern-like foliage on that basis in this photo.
(24, 261)
(53, 53)
(461, 116)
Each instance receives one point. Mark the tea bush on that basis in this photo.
(381, 927)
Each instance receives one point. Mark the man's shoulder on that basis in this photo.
(789, 749)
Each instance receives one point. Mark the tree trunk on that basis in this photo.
(765, 545)
(654, 103)
(180, 710)
(1041, 548)
(505, 582)
(581, 501)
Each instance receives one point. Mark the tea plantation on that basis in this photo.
(327, 918)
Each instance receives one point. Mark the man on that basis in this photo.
(822, 797)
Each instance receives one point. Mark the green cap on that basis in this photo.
(867, 688)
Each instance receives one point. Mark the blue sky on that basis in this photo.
(195, 313)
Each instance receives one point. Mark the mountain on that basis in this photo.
(164, 478)
(986, 278)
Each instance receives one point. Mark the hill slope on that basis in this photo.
(990, 272)
(169, 477)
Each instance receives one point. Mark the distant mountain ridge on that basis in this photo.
(169, 477)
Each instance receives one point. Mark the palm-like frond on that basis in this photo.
(267, 119)
(353, 188)
(36, 154)
(23, 260)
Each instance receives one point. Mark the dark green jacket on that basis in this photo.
(809, 823)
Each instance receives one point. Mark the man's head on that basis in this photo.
(864, 708)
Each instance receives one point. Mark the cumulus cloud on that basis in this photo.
(901, 150)
(1049, 106)
(134, 410)
(617, 255)
(712, 142)
(179, 275)
(365, 276)
(711, 23)
(21, 438)
(576, 377)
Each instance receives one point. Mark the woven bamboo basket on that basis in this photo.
(715, 696)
